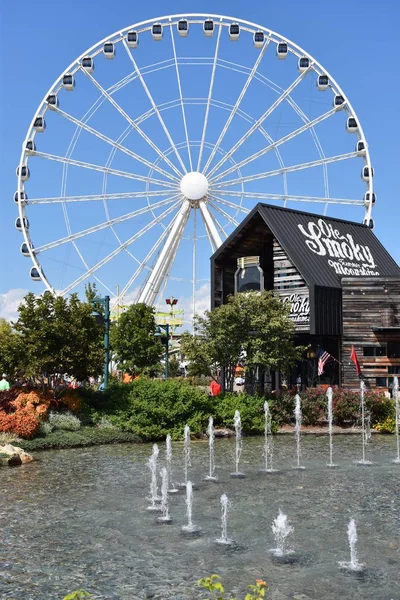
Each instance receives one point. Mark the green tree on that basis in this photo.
(134, 344)
(251, 325)
(59, 335)
(11, 349)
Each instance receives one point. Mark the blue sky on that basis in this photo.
(355, 42)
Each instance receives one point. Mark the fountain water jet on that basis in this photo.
(354, 564)
(190, 527)
(165, 518)
(397, 425)
(281, 530)
(298, 416)
(225, 504)
(152, 463)
(168, 453)
(363, 461)
(268, 441)
(186, 454)
(329, 394)
(239, 444)
(211, 437)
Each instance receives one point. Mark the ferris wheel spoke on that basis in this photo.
(122, 247)
(290, 169)
(131, 122)
(274, 145)
(222, 212)
(152, 286)
(104, 225)
(167, 276)
(143, 264)
(85, 165)
(236, 106)
(178, 77)
(259, 121)
(115, 144)
(229, 204)
(317, 199)
(209, 101)
(208, 219)
(155, 107)
(94, 197)
(194, 256)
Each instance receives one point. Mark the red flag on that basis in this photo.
(354, 358)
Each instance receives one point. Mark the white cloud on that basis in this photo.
(9, 303)
(202, 304)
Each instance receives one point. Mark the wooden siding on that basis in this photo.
(366, 304)
(286, 276)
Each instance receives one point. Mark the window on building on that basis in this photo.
(374, 351)
(393, 349)
(380, 382)
(394, 370)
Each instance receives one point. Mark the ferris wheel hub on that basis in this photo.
(194, 185)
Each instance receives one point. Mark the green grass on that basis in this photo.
(86, 436)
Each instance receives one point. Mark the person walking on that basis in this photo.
(4, 385)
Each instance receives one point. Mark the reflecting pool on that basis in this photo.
(78, 519)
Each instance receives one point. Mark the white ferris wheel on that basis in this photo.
(153, 145)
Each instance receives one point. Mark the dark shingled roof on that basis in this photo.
(324, 249)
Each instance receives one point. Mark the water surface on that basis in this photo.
(76, 518)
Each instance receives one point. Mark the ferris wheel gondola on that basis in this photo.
(153, 167)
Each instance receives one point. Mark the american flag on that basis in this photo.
(322, 359)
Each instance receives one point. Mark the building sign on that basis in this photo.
(299, 309)
(343, 254)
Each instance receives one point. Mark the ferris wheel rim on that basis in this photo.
(222, 20)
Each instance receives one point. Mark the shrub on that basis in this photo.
(71, 401)
(386, 426)
(64, 421)
(154, 408)
(45, 428)
(380, 407)
(346, 406)
(251, 410)
(6, 398)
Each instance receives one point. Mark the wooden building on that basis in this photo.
(343, 288)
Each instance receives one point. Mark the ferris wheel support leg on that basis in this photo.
(210, 224)
(151, 288)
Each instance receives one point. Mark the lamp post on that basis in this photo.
(165, 337)
(104, 320)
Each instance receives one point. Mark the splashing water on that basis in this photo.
(165, 518)
(281, 530)
(190, 527)
(152, 463)
(397, 425)
(354, 564)
(211, 437)
(239, 444)
(186, 452)
(364, 431)
(168, 456)
(225, 505)
(329, 394)
(298, 416)
(268, 440)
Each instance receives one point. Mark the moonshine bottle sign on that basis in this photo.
(343, 254)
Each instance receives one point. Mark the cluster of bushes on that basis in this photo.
(149, 409)
(28, 413)
(345, 405)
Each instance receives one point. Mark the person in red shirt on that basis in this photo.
(215, 388)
